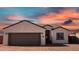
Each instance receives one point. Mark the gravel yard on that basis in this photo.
(68, 47)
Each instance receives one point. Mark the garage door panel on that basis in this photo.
(24, 39)
(24, 42)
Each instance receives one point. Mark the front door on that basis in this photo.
(48, 41)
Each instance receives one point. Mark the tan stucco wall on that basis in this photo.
(66, 34)
(5, 39)
(24, 27)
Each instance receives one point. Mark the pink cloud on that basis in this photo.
(52, 17)
(15, 17)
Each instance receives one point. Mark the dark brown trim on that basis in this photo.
(22, 21)
(47, 25)
(61, 27)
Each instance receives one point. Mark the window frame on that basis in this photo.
(59, 36)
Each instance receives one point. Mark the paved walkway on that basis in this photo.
(68, 47)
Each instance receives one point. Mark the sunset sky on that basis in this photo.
(41, 15)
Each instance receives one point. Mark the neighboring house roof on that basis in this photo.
(61, 27)
(23, 21)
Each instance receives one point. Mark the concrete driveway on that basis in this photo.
(67, 47)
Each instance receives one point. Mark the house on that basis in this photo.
(60, 35)
(24, 33)
(27, 33)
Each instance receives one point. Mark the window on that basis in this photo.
(60, 36)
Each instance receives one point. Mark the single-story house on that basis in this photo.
(24, 33)
(27, 33)
(60, 35)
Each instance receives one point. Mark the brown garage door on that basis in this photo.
(24, 39)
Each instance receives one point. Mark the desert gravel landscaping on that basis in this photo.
(67, 47)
